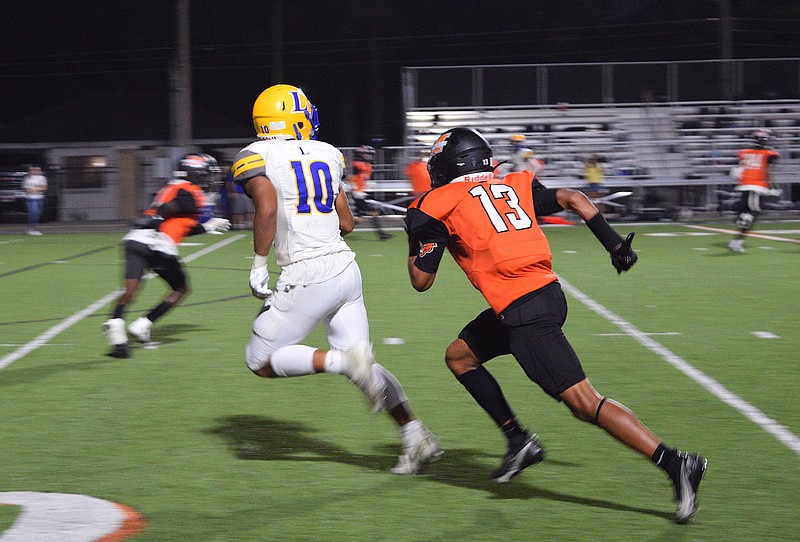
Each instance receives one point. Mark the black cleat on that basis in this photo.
(693, 468)
(519, 458)
(120, 351)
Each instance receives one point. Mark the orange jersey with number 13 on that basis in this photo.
(494, 235)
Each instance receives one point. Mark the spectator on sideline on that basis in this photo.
(594, 174)
(490, 229)
(35, 185)
(753, 177)
(522, 157)
(302, 211)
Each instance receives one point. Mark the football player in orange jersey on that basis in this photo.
(417, 174)
(362, 165)
(176, 211)
(753, 182)
(489, 226)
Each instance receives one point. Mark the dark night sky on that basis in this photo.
(99, 70)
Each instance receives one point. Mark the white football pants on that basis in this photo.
(337, 303)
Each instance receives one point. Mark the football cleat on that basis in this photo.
(140, 328)
(736, 245)
(423, 449)
(693, 468)
(519, 458)
(360, 360)
(114, 330)
(120, 351)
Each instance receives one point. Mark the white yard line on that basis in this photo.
(65, 324)
(780, 432)
(749, 234)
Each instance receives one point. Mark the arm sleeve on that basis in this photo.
(544, 199)
(184, 204)
(430, 235)
(246, 165)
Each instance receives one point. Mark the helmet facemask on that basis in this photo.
(201, 169)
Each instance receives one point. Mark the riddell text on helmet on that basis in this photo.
(479, 176)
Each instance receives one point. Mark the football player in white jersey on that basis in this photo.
(302, 211)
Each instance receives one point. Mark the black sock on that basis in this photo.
(377, 225)
(159, 311)
(119, 310)
(667, 459)
(487, 393)
(515, 434)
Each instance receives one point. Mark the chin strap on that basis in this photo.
(499, 164)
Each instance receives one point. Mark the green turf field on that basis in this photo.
(203, 450)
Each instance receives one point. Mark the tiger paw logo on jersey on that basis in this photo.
(439, 144)
(427, 248)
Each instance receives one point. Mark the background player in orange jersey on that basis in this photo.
(176, 211)
(489, 226)
(753, 182)
(417, 174)
(362, 165)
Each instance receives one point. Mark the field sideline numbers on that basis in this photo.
(52, 517)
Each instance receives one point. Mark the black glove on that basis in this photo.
(623, 257)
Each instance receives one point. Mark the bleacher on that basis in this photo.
(674, 156)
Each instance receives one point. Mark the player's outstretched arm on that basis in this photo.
(622, 255)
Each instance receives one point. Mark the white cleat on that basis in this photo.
(114, 330)
(736, 245)
(140, 328)
(359, 369)
(424, 449)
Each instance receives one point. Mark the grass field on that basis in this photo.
(203, 450)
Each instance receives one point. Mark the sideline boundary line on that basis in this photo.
(780, 432)
(70, 321)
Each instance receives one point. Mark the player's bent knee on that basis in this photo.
(582, 415)
(459, 358)
(745, 221)
(258, 362)
(583, 401)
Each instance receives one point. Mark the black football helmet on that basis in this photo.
(365, 153)
(762, 137)
(201, 169)
(457, 152)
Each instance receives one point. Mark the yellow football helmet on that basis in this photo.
(284, 110)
